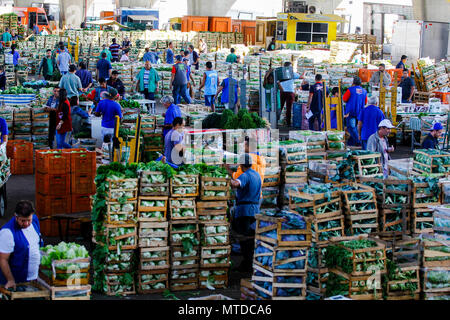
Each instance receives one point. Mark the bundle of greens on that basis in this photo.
(18, 90)
(391, 280)
(437, 278)
(437, 163)
(228, 120)
(166, 170)
(149, 281)
(129, 104)
(215, 234)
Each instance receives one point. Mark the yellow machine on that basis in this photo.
(127, 151)
(333, 104)
(175, 24)
(75, 49)
(392, 112)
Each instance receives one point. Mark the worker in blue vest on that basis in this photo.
(20, 240)
(355, 99)
(96, 94)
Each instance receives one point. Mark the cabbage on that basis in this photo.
(61, 252)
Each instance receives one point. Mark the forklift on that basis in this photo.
(126, 151)
(333, 104)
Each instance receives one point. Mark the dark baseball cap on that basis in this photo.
(115, 72)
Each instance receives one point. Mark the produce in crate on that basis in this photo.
(273, 261)
(437, 160)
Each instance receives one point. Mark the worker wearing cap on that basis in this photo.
(378, 142)
(178, 82)
(355, 99)
(116, 83)
(431, 141)
(368, 120)
(248, 193)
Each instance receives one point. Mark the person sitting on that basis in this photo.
(432, 139)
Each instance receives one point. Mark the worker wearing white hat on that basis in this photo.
(378, 142)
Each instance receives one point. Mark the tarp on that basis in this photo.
(106, 23)
(143, 17)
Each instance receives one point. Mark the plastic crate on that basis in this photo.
(53, 184)
(82, 183)
(24, 166)
(82, 162)
(50, 205)
(54, 163)
(80, 203)
(20, 150)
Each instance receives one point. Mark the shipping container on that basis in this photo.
(194, 23)
(219, 24)
(247, 28)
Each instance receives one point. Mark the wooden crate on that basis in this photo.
(355, 292)
(429, 252)
(354, 206)
(209, 210)
(41, 293)
(273, 277)
(419, 218)
(247, 290)
(67, 293)
(207, 274)
(315, 203)
(355, 222)
(270, 200)
(149, 238)
(425, 275)
(317, 253)
(216, 223)
(160, 253)
(110, 281)
(164, 278)
(130, 217)
(276, 262)
(360, 166)
(431, 167)
(52, 279)
(435, 295)
(113, 188)
(151, 209)
(387, 186)
(176, 256)
(178, 223)
(291, 151)
(317, 283)
(418, 194)
(316, 227)
(404, 295)
(123, 263)
(215, 252)
(322, 147)
(179, 284)
(160, 189)
(276, 224)
(296, 177)
(193, 183)
(133, 235)
(189, 203)
(403, 222)
(205, 187)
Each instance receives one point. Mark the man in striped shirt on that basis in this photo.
(114, 48)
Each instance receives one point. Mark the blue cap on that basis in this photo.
(437, 126)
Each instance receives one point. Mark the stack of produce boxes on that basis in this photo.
(282, 240)
(153, 275)
(366, 163)
(22, 123)
(40, 128)
(20, 153)
(316, 143)
(270, 191)
(215, 228)
(355, 266)
(426, 192)
(82, 174)
(184, 232)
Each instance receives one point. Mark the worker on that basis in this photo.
(78, 114)
(401, 64)
(358, 30)
(169, 53)
(210, 82)
(3, 131)
(268, 85)
(178, 81)
(375, 79)
(203, 46)
(287, 95)
(114, 48)
(20, 240)
(432, 139)
(48, 66)
(2, 78)
(355, 98)
(248, 194)
(85, 76)
(108, 53)
(189, 79)
(150, 56)
(358, 57)
(14, 36)
(315, 102)
(171, 113)
(408, 87)
(231, 58)
(15, 54)
(6, 37)
(193, 57)
(108, 109)
(63, 120)
(116, 83)
(368, 120)
(63, 60)
(97, 94)
(104, 67)
(125, 57)
(333, 114)
(378, 142)
(44, 32)
(35, 29)
(271, 46)
(71, 82)
(126, 43)
(51, 107)
(173, 143)
(238, 59)
(224, 88)
(148, 81)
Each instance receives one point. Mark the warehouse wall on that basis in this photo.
(435, 10)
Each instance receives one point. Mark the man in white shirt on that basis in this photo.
(20, 240)
(63, 62)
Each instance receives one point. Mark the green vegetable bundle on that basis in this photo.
(129, 104)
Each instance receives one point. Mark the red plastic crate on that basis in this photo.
(53, 163)
(10, 147)
(444, 96)
(82, 162)
(82, 183)
(53, 184)
(50, 205)
(81, 203)
(49, 227)
(24, 166)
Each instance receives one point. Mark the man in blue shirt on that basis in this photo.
(355, 98)
(173, 143)
(248, 193)
(173, 111)
(210, 82)
(104, 67)
(408, 87)
(288, 94)
(169, 54)
(315, 102)
(85, 76)
(108, 109)
(368, 121)
(432, 139)
(3, 131)
(35, 29)
(225, 99)
(401, 64)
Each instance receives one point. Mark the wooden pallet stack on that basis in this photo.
(280, 258)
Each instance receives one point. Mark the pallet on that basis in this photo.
(207, 274)
(428, 252)
(163, 255)
(42, 293)
(204, 187)
(189, 203)
(149, 209)
(148, 238)
(276, 224)
(216, 223)
(315, 202)
(176, 255)
(212, 253)
(211, 209)
(176, 223)
(164, 278)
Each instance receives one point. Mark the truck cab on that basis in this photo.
(31, 15)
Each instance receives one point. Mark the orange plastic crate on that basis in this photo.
(24, 166)
(10, 147)
(22, 150)
(82, 183)
(50, 205)
(81, 203)
(49, 227)
(53, 184)
(82, 162)
(53, 163)
(444, 96)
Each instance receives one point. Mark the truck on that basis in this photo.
(419, 39)
(147, 18)
(27, 16)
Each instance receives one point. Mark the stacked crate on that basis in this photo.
(435, 268)
(270, 191)
(153, 275)
(431, 162)
(425, 193)
(153, 141)
(40, 128)
(8, 115)
(280, 258)
(20, 153)
(367, 164)
(22, 123)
